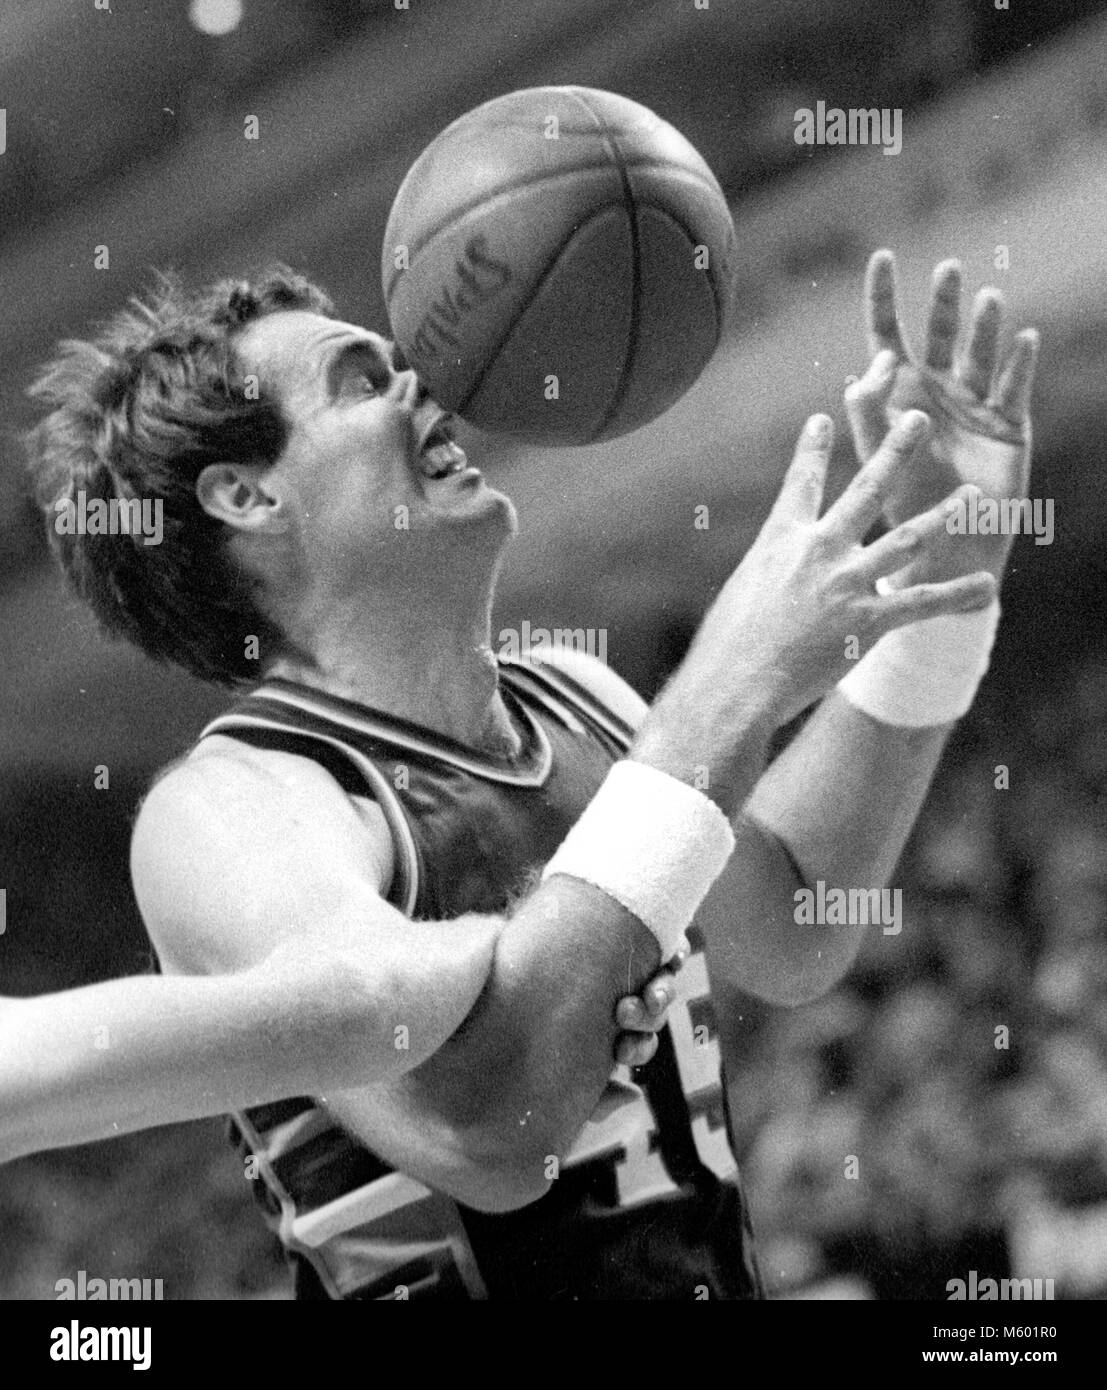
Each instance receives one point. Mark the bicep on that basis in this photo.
(234, 872)
(227, 864)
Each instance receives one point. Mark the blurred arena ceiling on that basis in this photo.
(125, 129)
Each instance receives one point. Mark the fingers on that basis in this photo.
(899, 546)
(913, 605)
(1011, 397)
(642, 1017)
(635, 1049)
(866, 403)
(646, 1013)
(882, 320)
(944, 319)
(978, 363)
(801, 493)
(861, 503)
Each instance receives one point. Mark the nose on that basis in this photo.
(405, 383)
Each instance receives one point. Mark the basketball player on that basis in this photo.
(341, 879)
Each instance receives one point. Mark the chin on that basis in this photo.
(477, 503)
(507, 510)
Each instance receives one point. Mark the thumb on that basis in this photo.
(866, 403)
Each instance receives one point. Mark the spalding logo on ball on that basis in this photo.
(557, 265)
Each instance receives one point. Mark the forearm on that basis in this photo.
(837, 806)
(521, 1076)
(109, 1058)
(845, 793)
(533, 1072)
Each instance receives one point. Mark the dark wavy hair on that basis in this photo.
(137, 411)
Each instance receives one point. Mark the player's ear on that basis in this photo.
(235, 493)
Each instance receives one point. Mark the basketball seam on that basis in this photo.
(623, 382)
(494, 356)
(547, 176)
(620, 389)
(692, 177)
(679, 222)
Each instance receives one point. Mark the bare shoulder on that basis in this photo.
(231, 842)
(597, 678)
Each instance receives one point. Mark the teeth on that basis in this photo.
(438, 460)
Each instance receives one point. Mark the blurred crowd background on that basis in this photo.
(125, 130)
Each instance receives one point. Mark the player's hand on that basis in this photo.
(642, 1016)
(803, 604)
(978, 402)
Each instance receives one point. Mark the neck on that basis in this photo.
(426, 658)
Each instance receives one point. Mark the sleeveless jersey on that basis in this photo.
(647, 1204)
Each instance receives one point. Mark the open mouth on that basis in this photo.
(440, 455)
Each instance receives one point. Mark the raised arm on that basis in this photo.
(839, 803)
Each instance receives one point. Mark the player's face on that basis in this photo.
(369, 456)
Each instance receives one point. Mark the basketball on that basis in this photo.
(557, 265)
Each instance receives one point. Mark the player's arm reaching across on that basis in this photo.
(296, 976)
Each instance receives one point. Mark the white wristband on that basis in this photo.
(926, 673)
(652, 843)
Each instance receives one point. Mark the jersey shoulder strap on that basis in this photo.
(566, 695)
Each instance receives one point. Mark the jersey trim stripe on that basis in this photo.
(286, 1224)
(369, 1203)
(546, 698)
(538, 673)
(399, 735)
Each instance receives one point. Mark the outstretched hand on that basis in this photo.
(978, 403)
